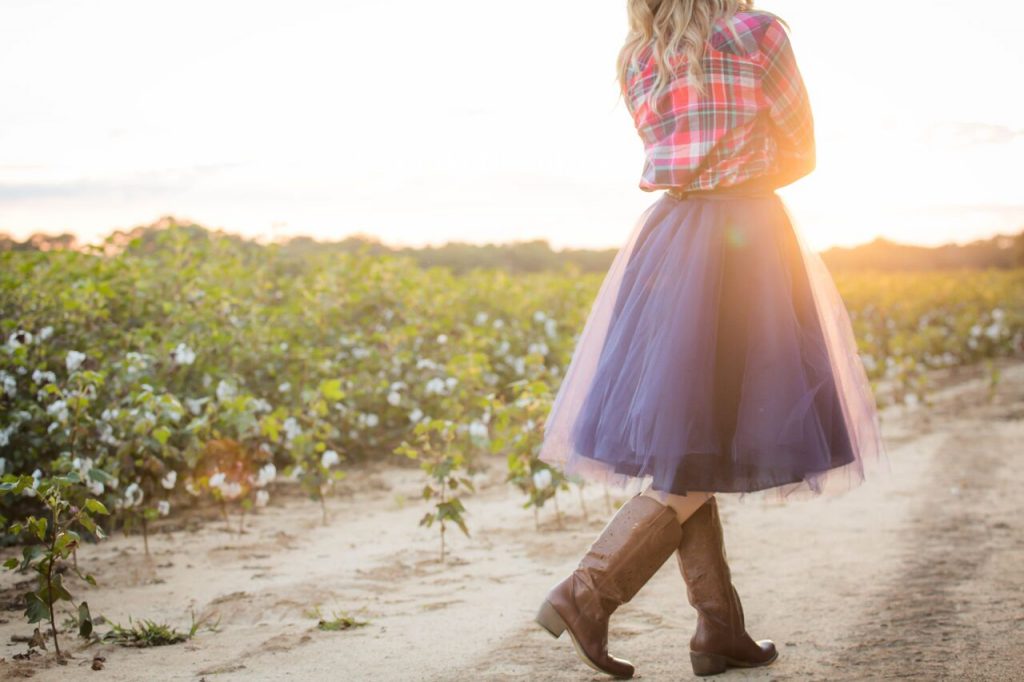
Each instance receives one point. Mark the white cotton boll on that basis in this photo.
(41, 378)
(284, 388)
(435, 386)
(498, 324)
(266, 475)
(217, 480)
(542, 479)
(442, 338)
(133, 495)
(83, 465)
(262, 498)
(480, 319)
(74, 360)
(329, 458)
(291, 428)
(96, 488)
(10, 384)
(539, 316)
(372, 420)
(195, 405)
(47, 331)
(551, 328)
(260, 405)
(416, 415)
(19, 338)
(478, 430)
(394, 398)
(225, 391)
(169, 480)
(163, 507)
(993, 331)
(183, 355)
(58, 409)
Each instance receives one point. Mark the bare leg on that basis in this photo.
(682, 505)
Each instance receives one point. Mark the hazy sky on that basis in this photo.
(421, 122)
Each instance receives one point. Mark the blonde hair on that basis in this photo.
(670, 28)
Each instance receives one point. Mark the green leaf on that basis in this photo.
(86, 522)
(331, 389)
(101, 476)
(39, 528)
(35, 608)
(162, 433)
(84, 620)
(59, 592)
(96, 506)
(63, 540)
(11, 563)
(30, 554)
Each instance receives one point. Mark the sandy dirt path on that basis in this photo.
(919, 575)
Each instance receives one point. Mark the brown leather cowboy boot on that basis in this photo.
(721, 640)
(631, 548)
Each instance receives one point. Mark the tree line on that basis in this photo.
(1000, 252)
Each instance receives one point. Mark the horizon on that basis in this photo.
(252, 124)
(394, 246)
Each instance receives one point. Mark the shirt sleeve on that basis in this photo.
(788, 107)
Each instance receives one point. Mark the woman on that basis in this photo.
(718, 356)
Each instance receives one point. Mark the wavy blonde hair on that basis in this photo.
(670, 28)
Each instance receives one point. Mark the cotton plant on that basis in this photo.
(519, 433)
(57, 539)
(149, 434)
(435, 445)
(310, 438)
(318, 473)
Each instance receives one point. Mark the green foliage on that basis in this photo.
(337, 622)
(173, 364)
(53, 539)
(909, 324)
(435, 446)
(146, 633)
(519, 429)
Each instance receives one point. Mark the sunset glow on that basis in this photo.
(459, 120)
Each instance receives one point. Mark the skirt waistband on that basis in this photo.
(744, 190)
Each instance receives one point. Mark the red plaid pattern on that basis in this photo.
(754, 121)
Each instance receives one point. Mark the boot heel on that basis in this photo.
(549, 619)
(707, 664)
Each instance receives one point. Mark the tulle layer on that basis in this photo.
(718, 356)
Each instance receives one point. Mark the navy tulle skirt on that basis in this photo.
(717, 356)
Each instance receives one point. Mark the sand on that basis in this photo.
(919, 575)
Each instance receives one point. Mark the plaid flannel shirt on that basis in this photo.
(754, 121)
